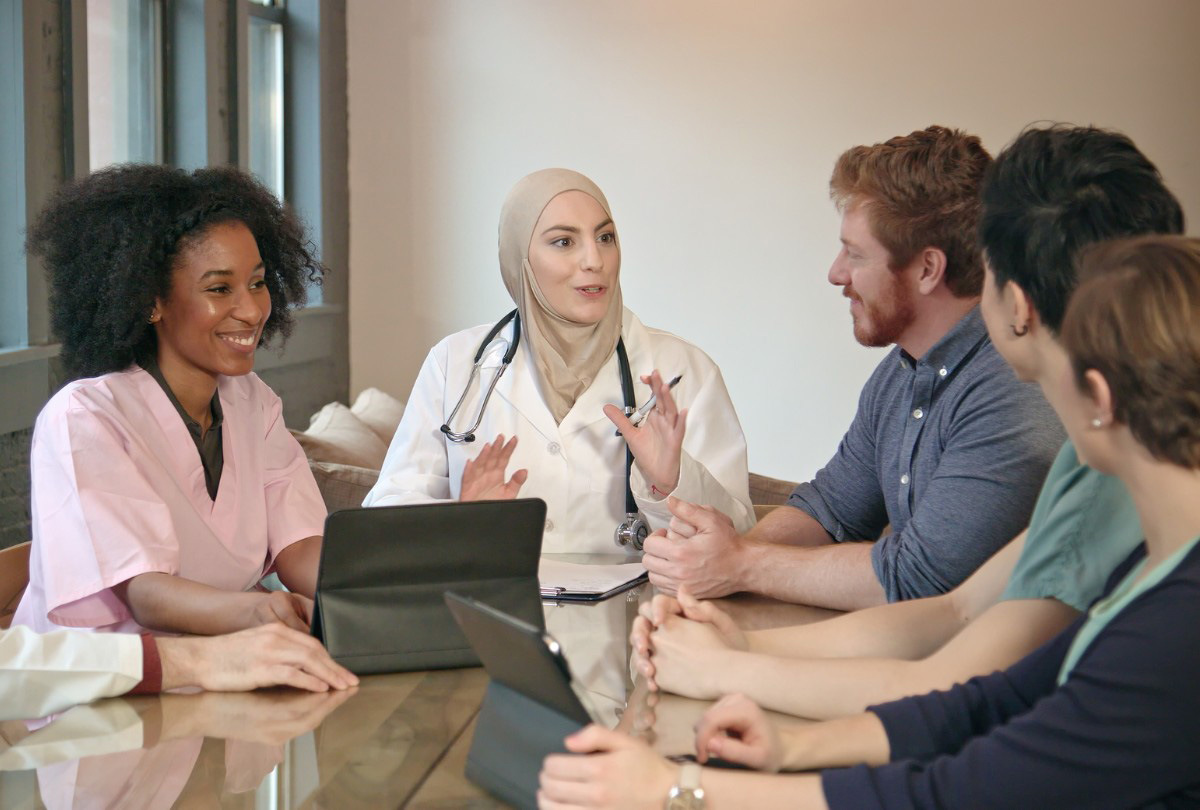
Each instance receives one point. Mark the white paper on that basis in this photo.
(586, 579)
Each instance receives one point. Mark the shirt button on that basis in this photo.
(549, 525)
(942, 371)
(553, 448)
(918, 413)
(904, 478)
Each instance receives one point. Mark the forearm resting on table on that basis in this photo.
(911, 629)
(790, 526)
(850, 741)
(173, 604)
(297, 565)
(908, 630)
(824, 688)
(837, 576)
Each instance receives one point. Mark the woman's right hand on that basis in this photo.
(483, 476)
(736, 730)
(291, 609)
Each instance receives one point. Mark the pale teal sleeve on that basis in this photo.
(1083, 526)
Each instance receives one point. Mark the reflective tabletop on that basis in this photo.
(398, 740)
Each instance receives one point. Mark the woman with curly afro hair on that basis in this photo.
(165, 484)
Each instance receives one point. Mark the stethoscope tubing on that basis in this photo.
(467, 436)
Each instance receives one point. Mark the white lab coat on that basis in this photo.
(41, 674)
(577, 467)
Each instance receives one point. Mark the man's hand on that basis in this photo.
(736, 730)
(483, 476)
(619, 772)
(701, 549)
(291, 609)
(268, 655)
(657, 442)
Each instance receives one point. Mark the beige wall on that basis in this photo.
(712, 127)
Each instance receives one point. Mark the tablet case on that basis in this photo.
(379, 605)
(529, 707)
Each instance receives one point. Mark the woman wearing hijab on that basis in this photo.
(552, 414)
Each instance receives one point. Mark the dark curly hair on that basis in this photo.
(109, 243)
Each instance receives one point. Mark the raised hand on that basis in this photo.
(657, 442)
(483, 476)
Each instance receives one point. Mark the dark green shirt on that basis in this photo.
(212, 456)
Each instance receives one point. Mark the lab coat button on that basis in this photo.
(553, 448)
(549, 525)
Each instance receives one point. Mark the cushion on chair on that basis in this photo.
(338, 436)
(343, 486)
(379, 411)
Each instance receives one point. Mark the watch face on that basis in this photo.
(685, 799)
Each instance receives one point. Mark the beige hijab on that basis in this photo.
(568, 355)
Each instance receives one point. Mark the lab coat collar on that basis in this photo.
(520, 385)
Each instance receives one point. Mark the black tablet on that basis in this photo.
(520, 656)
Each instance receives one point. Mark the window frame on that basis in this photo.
(203, 45)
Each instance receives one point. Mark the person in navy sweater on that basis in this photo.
(1104, 715)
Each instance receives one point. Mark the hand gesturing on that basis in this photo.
(483, 476)
(657, 442)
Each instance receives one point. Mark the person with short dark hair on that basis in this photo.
(165, 484)
(1104, 714)
(947, 449)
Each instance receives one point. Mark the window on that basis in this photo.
(124, 82)
(192, 83)
(13, 290)
(265, 92)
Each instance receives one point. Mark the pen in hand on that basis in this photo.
(640, 413)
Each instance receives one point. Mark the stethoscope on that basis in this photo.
(634, 529)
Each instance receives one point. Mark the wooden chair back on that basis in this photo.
(14, 576)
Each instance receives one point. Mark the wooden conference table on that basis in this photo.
(399, 740)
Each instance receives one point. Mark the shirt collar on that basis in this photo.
(957, 345)
(150, 365)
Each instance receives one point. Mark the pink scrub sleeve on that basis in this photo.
(99, 520)
(295, 509)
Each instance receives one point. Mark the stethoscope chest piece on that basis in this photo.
(632, 531)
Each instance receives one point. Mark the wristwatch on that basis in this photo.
(687, 794)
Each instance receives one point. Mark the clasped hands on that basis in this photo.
(656, 444)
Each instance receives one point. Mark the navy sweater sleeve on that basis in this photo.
(1121, 732)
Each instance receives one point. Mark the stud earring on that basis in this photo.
(1097, 423)
(1022, 333)
(153, 318)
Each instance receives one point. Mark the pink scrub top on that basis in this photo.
(118, 490)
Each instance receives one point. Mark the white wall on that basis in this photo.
(712, 127)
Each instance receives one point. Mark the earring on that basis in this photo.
(1024, 329)
(153, 318)
(1097, 423)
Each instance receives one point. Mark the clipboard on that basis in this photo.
(562, 579)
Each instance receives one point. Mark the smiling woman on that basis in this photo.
(165, 484)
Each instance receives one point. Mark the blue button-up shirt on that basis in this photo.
(950, 450)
